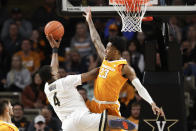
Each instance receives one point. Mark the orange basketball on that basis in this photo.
(55, 28)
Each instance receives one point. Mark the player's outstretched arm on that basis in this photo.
(91, 75)
(94, 34)
(130, 74)
(54, 62)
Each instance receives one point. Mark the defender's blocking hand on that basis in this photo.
(87, 14)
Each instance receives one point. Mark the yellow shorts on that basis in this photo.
(113, 109)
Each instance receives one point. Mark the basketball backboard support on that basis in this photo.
(71, 10)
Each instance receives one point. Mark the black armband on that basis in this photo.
(55, 50)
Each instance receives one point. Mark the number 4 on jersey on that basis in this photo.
(56, 100)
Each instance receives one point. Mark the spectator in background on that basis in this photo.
(94, 61)
(191, 36)
(12, 41)
(186, 49)
(141, 41)
(18, 118)
(83, 92)
(76, 65)
(52, 123)
(117, 21)
(81, 40)
(62, 72)
(135, 114)
(24, 26)
(126, 97)
(39, 46)
(126, 55)
(3, 66)
(158, 62)
(3, 12)
(18, 77)
(113, 32)
(30, 59)
(39, 124)
(175, 32)
(44, 14)
(137, 59)
(33, 96)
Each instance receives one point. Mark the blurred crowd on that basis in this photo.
(24, 49)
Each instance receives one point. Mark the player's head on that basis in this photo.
(46, 73)
(135, 110)
(115, 47)
(5, 108)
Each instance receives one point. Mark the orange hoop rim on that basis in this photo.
(131, 5)
(122, 2)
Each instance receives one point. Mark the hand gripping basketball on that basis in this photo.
(53, 43)
(55, 28)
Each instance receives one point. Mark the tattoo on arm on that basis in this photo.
(96, 39)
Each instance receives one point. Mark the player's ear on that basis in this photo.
(6, 109)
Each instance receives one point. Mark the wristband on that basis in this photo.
(54, 50)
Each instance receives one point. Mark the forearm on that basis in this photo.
(142, 91)
(91, 75)
(96, 39)
(55, 64)
(93, 32)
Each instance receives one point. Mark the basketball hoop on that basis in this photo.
(131, 13)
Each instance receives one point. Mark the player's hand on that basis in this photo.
(53, 43)
(156, 110)
(87, 14)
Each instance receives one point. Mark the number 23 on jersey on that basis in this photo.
(103, 73)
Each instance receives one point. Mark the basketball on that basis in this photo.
(55, 28)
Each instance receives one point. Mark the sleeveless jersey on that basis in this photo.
(4, 126)
(109, 80)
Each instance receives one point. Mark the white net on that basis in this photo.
(131, 13)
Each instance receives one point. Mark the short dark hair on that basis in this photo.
(3, 104)
(45, 73)
(119, 43)
(18, 104)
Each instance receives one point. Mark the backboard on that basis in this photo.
(103, 8)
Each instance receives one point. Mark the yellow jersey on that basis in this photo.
(4, 126)
(109, 81)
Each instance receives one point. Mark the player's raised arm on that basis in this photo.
(91, 75)
(54, 62)
(130, 74)
(94, 34)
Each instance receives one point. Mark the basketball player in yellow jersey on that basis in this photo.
(113, 74)
(5, 116)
